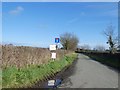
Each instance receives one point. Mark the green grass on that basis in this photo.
(26, 76)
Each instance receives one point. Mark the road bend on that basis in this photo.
(91, 74)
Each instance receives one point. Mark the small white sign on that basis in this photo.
(53, 55)
(51, 82)
(52, 47)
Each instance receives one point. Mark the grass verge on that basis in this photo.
(26, 76)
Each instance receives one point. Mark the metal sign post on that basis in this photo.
(53, 48)
(53, 53)
(57, 41)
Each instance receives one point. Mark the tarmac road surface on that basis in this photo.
(91, 74)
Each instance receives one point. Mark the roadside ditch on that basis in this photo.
(62, 75)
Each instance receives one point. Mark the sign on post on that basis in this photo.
(53, 55)
(52, 47)
(57, 40)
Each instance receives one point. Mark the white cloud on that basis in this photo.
(17, 10)
(76, 18)
(20, 8)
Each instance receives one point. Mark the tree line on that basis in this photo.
(70, 41)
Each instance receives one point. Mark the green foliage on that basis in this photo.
(13, 77)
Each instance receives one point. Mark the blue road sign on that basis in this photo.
(57, 40)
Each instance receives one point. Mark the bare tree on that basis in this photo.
(99, 48)
(69, 41)
(85, 47)
(109, 32)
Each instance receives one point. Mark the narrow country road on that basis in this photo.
(91, 74)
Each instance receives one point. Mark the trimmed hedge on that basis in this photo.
(109, 59)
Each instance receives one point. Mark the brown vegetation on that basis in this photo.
(69, 41)
(20, 56)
